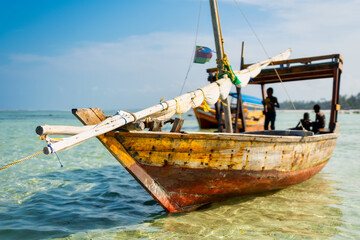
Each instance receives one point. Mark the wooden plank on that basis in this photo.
(156, 125)
(296, 73)
(177, 125)
(307, 70)
(242, 152)
(306, 60)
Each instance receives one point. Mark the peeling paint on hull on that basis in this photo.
(191, 187)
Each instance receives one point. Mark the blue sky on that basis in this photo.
(63, 54)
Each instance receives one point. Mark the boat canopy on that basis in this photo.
(311, 68)
(300, 69)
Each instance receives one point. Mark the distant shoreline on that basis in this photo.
(352, 111)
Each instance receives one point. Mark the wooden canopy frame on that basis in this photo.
(300, 69)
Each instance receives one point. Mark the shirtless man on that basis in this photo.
(269, 106)
(319, 120)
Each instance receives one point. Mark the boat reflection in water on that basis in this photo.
(306, 210)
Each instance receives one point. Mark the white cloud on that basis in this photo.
(134, 72)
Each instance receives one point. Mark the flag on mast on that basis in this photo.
(202, 54)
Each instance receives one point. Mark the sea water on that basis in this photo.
(93, 197)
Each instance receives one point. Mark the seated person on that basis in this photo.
(305, 122)
(319, 120)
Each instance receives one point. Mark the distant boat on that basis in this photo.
(185, 170)
(253, 111)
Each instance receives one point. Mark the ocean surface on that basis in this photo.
(93, 197)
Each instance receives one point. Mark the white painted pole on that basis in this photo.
(105, 126)
(61, 130)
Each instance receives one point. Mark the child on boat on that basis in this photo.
(305, 122)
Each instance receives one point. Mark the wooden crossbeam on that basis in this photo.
(298, 69)
(307, 60)
(296, 73)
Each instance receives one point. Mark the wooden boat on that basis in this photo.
(253, 110)
(185, 170)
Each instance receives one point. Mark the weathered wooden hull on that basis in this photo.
(191, 187)
(208, 120)
(183, 171)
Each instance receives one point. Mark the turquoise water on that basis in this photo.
(92, 197)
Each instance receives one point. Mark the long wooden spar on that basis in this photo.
(123, 117)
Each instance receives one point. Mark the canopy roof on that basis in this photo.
(300, 69)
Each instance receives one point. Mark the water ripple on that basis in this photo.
(93, 197)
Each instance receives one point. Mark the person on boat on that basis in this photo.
(319, 120)
(306, 123)
(269, 109)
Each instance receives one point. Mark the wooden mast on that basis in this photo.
(239, 104)
(220, 55)
(335, 107)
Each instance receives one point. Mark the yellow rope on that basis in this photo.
(19, 161)
(204, 104)
(223, 103)
(227, 70)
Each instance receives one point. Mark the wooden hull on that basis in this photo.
(208, 120)
(191, 187)
(184, 171)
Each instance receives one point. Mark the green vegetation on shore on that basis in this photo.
(351, 102)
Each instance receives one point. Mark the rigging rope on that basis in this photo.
(193, 52)
(228, 70)
(204, 104)
(19, 161)
(266, 53)
(52, 150)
